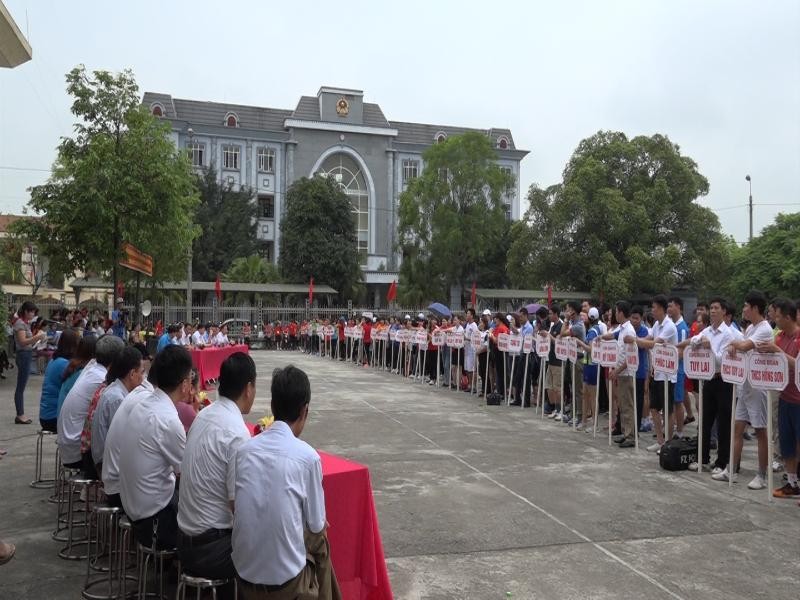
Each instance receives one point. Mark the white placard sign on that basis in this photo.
(348, 332)
(421, 337)
(393, 334)
(632, 356)
(608, 353)
(734, 368)
(596, 350)
(358, 333)
(768, 371)
(699, 363)
(572, 350)
(542, 346)
(527, 344)
(502, 342)
(665, 359)
(438, 338)
(458, 340)
(514, 343)
(477, 340)
(562, 349)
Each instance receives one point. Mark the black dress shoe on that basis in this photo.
(627, 443)
(515, 403)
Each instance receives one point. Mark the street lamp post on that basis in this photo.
(750, 206)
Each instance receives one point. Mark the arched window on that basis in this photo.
(231, 120)
(440, 137)
(157, 110)
(502, 143)
(352, 181)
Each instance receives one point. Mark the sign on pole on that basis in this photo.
(527, 344)
(562, 349)
(502, 342)
(542, 346)
(572, 350)
(514, 343)
(438, 338)
(768, 371)
(734, 368)
(632, 356)
(665, 359)
(608, 353)
(699, 363)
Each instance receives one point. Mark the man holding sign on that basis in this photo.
(752, 405)
(622, 375)
(788, 342)
(554, 377)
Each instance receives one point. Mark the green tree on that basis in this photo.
(250, 269)
(227, 220)
(623, 221)
(119, 179)
(318, 236)
(770, 262)
(452, 219)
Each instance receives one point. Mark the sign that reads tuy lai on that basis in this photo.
(768, 371)
(665, 359)
(733, 368)
(699, 363)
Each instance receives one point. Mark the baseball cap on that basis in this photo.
(120, 300)
(407, 318)
(594, 313)
(487, 312)
(421, 317)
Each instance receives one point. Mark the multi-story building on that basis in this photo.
(336, 133)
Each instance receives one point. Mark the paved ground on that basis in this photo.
(481, 502)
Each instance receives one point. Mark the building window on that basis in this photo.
(440, 137)
(443, 174)
(266, 207)
(231, 120)
(266, 250)
(507, 210)
(230, 157)
(266, 160)
(352, 181)
(508, 171)
(157, 110)
(197, 154)
(502, 143)
(410, 170)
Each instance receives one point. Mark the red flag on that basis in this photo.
(474, 294)
(392, 293)
(120, 289)
(311, 291)
(549, 295)
(218, 289)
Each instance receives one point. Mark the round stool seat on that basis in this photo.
(38, 481)
(199, 584)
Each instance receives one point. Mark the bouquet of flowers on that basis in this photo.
(264, 423)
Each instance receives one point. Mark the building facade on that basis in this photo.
(335, 133)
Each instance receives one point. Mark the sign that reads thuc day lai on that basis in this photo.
(562, 349)
(699, 363)
(542, 346)
(768, 371)
(733, 368)
(665, 359)
(608, 353)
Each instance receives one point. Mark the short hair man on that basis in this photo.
(576, 329)
(151, 450)
(675, 312)
(205, 506)
(273, 533)
(555, 380)
(623, 375)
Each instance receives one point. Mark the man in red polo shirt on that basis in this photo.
(293, 335)
(366, 326)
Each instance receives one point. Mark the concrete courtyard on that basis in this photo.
(479, 502)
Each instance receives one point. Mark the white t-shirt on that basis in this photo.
(119, 422)
(208, 468)
(278, 495)
(469, 351)
(151, 452)
(74, 410)
(198, 339)
(625, 330)
(668, 333)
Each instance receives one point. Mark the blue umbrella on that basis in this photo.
(532, 308)
(440, 310)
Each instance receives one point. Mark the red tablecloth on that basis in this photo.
(354, 535)
(209, 360)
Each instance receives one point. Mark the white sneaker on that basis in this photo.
(579, 427)
(654, 447)
(723, 476)
(694, 466)
(555, 415)
(777, 466)
(716, 471)
(758, 483)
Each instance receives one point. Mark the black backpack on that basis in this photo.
(676, 455)
(494, 399)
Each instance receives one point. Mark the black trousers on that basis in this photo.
(482, 358)
(208, 554)
(432, 364)
(717, 404)
(520, 378)
(161, 527)
(639, 401)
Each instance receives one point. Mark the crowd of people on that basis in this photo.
(467, 353)
(187, 473)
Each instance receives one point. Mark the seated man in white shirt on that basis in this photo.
(205, 507)
(76, 405)
(199, 338)
(151, 451)
(213, 330)
(221, 339)
(280, 542)
(186, 338)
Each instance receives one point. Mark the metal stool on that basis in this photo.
(39, 482)
(59, 477)
(103, 553)
(124, 552)
(69, 552)
(200, 584)
(63, 493)
(143, 556)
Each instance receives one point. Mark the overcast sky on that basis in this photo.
(720, 78)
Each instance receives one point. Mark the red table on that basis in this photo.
(209, 360)
(354, 535)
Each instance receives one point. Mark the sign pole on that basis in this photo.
(513, 362)
(543, 380)
(770, 397)
(610, 385)
(635, 413)
(525, 380)
(486, 374)
(700, 427)
(731, 467)
(574, 401)
(597, 400)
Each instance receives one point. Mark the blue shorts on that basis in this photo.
(590, 374)
(788, 427)
(680, 386)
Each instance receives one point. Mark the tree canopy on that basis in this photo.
(118, 179)
(318, 236)
(452, 219)
(251, 269)
(623, 221)
(226, 218)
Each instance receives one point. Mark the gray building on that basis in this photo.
(334, 132)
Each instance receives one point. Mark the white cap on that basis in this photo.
(594, 313)
(421, 316)
(508, 318)
(407, 318)
(374, 319)
(120, 300)
(487, 312)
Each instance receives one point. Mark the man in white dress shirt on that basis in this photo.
(76, 404)
(205, 507)
(151, 451)
(280, 542)
(199, 337)
(623, 376)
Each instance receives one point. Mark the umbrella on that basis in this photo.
(440, 310)
(532, 308)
